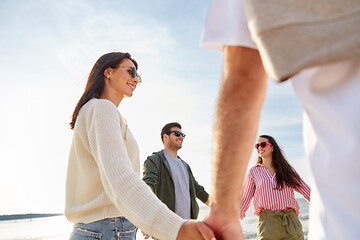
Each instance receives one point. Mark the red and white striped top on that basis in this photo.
(261, 186)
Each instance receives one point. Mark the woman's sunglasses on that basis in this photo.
(262, 144)
(133, 73)
(177, 133)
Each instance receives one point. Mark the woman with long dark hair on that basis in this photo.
(271, 182)
(105, 197)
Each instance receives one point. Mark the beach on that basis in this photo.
(58, 228)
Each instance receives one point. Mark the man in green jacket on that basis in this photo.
(171, 178)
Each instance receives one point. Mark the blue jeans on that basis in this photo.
(108, 229)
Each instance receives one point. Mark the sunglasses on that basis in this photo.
(177, 133)
(262, 144)
(133, 73)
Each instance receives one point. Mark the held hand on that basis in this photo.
(195, 230)
(224, 227)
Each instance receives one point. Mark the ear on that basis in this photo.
(107, 72)
(165, 137)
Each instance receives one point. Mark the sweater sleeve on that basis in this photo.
(126, 190)
(248, 193)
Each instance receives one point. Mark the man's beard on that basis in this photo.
(175, 145)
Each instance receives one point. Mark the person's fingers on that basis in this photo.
(146, 236)
(205, 231)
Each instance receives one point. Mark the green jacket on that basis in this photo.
(157, 174)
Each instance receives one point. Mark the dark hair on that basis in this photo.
(95, 84)
(167, 128)
(284, 175)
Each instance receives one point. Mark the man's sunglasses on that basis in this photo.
(133, 73)
(262, 144)
(177, 133)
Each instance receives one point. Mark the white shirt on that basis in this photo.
(331, 126)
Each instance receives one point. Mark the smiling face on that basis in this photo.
(119, 81)
(267, 151)
(172, 141)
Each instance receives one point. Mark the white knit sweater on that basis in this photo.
(103, 177)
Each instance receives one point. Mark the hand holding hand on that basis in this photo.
(194, 230)
(225, 228)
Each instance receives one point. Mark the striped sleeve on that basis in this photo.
(248, 194)
(304, 189)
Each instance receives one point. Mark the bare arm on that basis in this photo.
(241, 96)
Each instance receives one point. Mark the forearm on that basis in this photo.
(247, 196)
(304, 190)
(238, 112)
(201, 193)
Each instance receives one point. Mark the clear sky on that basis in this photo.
(47, 49)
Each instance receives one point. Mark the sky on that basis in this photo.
(47, 49)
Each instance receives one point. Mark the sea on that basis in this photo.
(58, 228)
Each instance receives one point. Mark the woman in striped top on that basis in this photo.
(271, 182)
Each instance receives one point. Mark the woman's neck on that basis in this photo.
(267, 162)
(111, 97)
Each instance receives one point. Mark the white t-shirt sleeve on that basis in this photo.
(226, 24)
